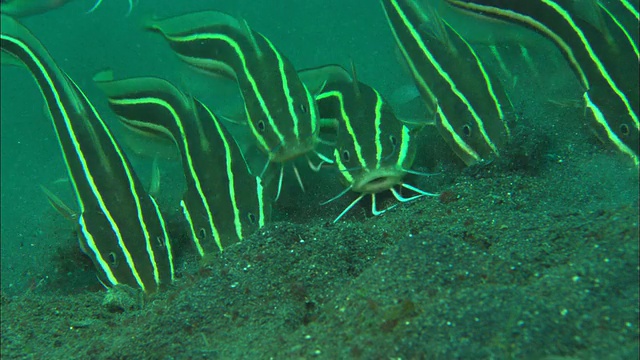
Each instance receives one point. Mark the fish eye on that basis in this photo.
(393, 139)
(261, 126)
(113, 259)
(252, 218)
(303, 108)
(466, 130)
(346, 156)
(202, 233)
(624, 129)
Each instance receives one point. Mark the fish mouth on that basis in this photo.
(378, 180)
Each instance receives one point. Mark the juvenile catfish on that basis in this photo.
(224, 202)
(373, 149)
(469, 105)
(280, 110)
(120, 226)
(599, 41)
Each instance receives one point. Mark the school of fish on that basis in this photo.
(323, 115)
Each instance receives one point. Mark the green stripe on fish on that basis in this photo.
(600, 42)
(224, 202)
(120, 226)
(373, 149)
(280, 110)
(471, 107)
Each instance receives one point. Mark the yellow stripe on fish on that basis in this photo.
(224, 202)
(599, 40)
(120, 226)
(373, 149)
(471, 107)
(280, 110)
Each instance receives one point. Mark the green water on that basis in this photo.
(312, 33)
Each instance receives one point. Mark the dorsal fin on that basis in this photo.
(591, 12)
(251, 37)
(316, 79)
(8, 59)
(435, 26)
(354, 76)
(154, 184)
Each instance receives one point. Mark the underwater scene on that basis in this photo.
(363, 179)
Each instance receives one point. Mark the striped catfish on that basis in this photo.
(470, 106)
(224, 202)
(373, 150)
(280, 110)
(599, 40)
(120, 226)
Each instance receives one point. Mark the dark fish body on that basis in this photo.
(120, 226)
(599, 41)
(469, 105)
(280, 110)
(224, 202)
(373, 149)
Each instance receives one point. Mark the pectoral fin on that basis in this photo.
(59, 205)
